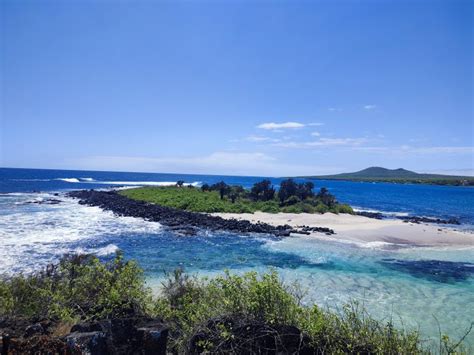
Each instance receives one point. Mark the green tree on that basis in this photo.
(262, 191)
(326, 198)
(222, 187)
(288, 188)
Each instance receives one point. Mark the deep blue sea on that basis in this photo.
(412, 285)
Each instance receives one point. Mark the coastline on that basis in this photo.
(357, 229)
(364, 230)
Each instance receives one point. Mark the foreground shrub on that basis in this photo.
(239, 314)
(247, 313)
(79, 287)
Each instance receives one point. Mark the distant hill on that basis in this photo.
(378, 174)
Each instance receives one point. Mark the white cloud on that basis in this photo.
(370, 107)
(315, 134)
(324, 142)
(334, 109)
(316, 124)
(261, 139)
(279, 126)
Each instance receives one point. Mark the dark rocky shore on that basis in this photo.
(182, 222)
(410, 219)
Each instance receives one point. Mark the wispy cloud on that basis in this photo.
(315, 134)
(316, 124)
(370, 107)
(334, 109)
(279, 126)
(324, 142)
(261, 139)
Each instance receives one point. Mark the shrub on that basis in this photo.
(343, 208)
(79, 287)
(321, 208)
(326, 198)
(293, 200)
(215, 315)
(214, 312)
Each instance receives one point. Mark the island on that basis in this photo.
(292, 197)
(399, 176)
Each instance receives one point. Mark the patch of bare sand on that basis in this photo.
(364, 229)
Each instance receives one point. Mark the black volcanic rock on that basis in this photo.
(375, 215)
(418, 220)
(181, 222)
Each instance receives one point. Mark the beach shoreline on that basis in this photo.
(364, 230)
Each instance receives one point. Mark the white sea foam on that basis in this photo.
(107, 250)
(387, 213)
(147, 183)
(131, 183)
(34, 234)
(68, 179)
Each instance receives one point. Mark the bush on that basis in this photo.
(293, 200)
(217, 315)
(237, 200)
(343, 208)
(321, 208)
(213, 311)
(79, 287)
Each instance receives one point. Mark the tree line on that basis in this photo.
(289, 193)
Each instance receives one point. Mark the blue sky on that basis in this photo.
(237, 87)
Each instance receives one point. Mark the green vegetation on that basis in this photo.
(401, 176)
(292, 197)
(207, 311)
(78, 287)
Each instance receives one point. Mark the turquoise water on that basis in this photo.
(410, 285)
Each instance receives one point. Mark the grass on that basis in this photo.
(226, 314)
(196, 200)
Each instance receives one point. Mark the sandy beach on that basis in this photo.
(366, 230)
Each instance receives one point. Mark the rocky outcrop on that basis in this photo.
(179, 221)
(375, 215)
(410, 219)
(249, 336)
(136, 335)
(418, 220)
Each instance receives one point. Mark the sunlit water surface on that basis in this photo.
(416, 287)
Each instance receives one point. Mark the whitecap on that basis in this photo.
(148, 183)
(68, 179)
(33, 235)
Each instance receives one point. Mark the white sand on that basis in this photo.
(363, 229)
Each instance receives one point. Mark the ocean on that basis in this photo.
(414, 286)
